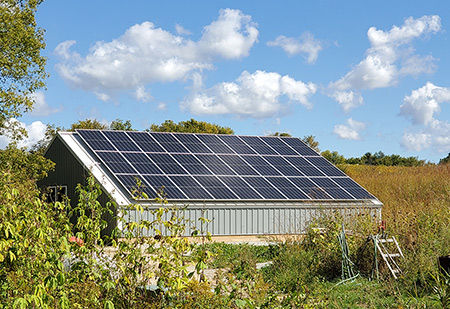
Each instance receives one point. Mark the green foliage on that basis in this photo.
(33, 236)
(310, 140)
(441, 289)
(88, 213)
(379, 158)
(334, 157)
(445, 160)
(92, 124)
(120, 125)
(190, 126)
(22, 67)
(281, 134)
(225, 254)
(23, 165)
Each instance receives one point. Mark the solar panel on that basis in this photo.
(238, 165)
(215, 144)
(240, 187)
(279, 146)
(288, 188)
(145, 141)
(261, 166)
(215, 187)
(300, 147)
(220, 167)
(236, 144)
(193, 144)
(121, 141)
(265, 188)
(164, 182)
(169, 143)
(116, 162)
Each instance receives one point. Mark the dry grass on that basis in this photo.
(416, 208)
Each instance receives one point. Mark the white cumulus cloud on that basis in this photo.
(347, 99)
(41, 108)
(421, 107)
(141, 94)
(257, 95)
(181, 30)
(306, 44)
(422, 104)
(351, 130)
(145, 54)
(36, 131)
(435, 136)
(416, 141)
(390, 56)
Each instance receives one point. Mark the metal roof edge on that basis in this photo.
(86, 159)
(260, 204)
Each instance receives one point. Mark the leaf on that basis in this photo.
(240, 303)
(20, 303)
(108, 305)
(64, 302)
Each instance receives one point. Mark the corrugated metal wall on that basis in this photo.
(264, 219)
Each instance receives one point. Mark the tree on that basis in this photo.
(120, 125)
(281, 134)
(92, 124)
(22, 67)
(310, 140)
(190, 126)
(445, 160)
(334, 157)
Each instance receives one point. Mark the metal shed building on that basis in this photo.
(246, 185)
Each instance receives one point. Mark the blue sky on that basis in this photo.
(359, 76)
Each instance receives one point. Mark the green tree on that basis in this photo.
(283, 134)
(121, 125)
(22, 67)
(445, 160)
(353, 160)
(333, 156)
(93, 124)
(310, 140)
(190, 126)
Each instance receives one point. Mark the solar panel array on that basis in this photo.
(220, 167)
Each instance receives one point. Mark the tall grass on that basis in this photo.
(416, 209)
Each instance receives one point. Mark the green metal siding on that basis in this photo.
(69, 172)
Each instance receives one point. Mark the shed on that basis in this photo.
(246, 185)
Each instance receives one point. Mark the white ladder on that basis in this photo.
(390, 258)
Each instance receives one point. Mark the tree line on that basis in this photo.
(377, 158)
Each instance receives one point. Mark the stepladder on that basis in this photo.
(390, 252)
